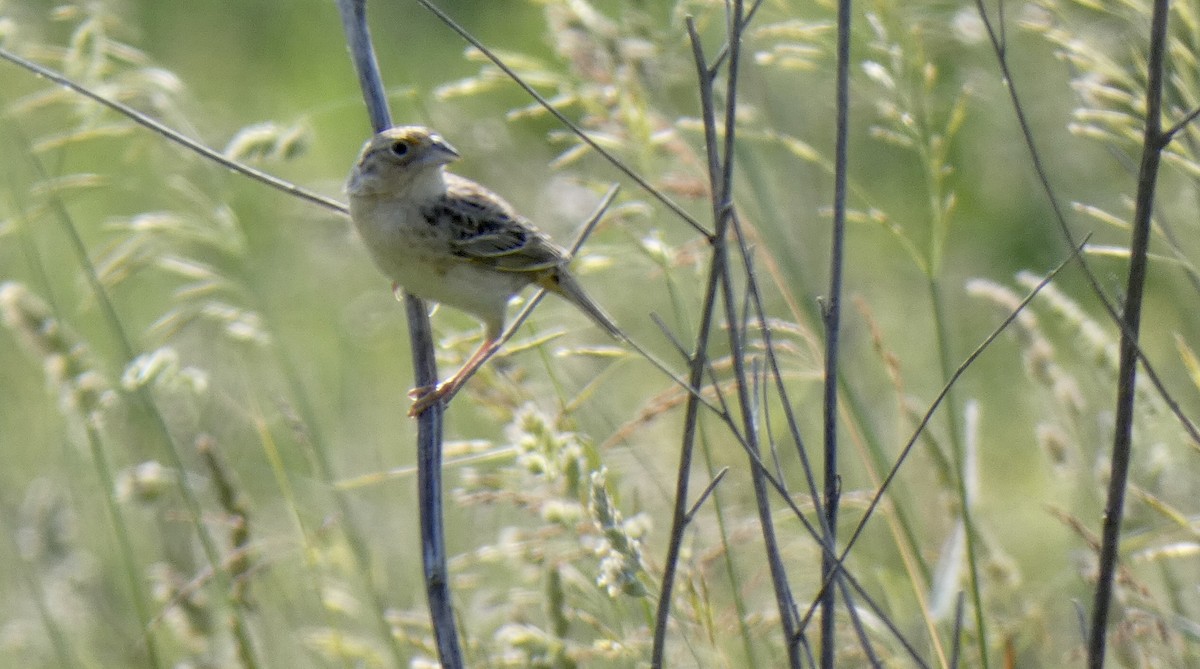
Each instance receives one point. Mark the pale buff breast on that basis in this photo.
(414, 253)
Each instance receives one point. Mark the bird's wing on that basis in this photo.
(487, 230)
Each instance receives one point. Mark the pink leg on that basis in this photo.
(424, 397)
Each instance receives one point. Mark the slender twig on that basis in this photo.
(723, 213)
(366, 66)
(670, 336)
(708, 490)
(832, 317)
(765, 329)
(1170, 133)
(789, 413)
(856, 623)
(755, 297)
(720, 176)
(760, 469)
(429, 422)
(722, 405)
(1152, 145)
(698, 366)
(174, 135)
(1153, 142)
(723, 52)
(956, 646)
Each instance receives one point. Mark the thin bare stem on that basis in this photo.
(832, 317)
(670, 336)
(1170, 133)
(698, 365)
(764, 327)
(176, 136)
(429, 422)
(723, 52)
(362, 53)
(704, 494)
(864, 641)
(1153, 142)
(723, 214)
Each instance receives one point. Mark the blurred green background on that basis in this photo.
(284, 335)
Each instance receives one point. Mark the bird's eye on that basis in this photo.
(399, 149)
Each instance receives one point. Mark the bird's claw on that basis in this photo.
(424, 397)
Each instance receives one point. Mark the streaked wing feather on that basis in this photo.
(489, 231)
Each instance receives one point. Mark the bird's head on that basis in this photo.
(399, 157)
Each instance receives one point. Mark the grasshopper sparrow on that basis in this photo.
(445, 238)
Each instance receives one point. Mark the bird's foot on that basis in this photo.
(426, 396)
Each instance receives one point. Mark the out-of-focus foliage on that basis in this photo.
(207, 461)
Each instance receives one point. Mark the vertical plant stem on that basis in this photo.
(832, 316)
(679, 516)
(724, 217)
(429, 422)
(429, 491)
(699, 361)
(362, 53)
(1152, 146)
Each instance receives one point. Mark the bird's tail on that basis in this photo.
(560, 281)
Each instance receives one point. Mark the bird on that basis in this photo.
(445, 238)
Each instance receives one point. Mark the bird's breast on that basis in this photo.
(396, 233)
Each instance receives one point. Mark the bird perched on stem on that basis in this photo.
(448, 239)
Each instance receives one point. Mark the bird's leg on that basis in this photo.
(425, 397)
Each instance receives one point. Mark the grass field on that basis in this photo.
(208, 461)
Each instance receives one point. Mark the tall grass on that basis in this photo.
(207, 458)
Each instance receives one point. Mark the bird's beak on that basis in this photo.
(442, 151)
